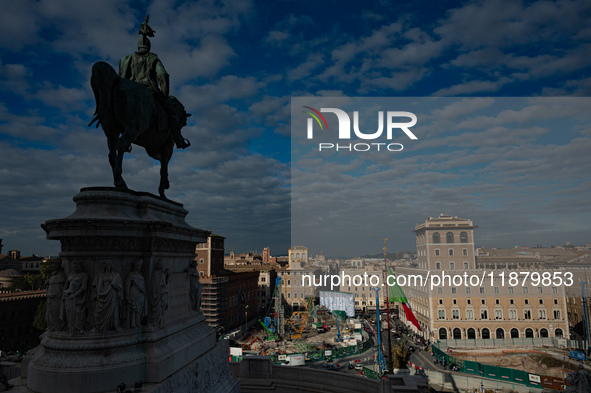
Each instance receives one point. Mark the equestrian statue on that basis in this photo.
(134, 107)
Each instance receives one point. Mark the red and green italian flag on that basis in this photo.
(395, 294)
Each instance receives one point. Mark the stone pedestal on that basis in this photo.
(170, 348)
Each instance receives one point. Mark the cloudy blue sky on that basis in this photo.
(237, 64)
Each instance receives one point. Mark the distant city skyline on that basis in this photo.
(313, 254)
(236, 65)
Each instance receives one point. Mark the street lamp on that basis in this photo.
(245, 318)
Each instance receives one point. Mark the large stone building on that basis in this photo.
(229, 298)
(210, 256)
(295, 291)
(267, 274)
(481, 309)
(17, 312)
(10, 269)
(365, 295)
(298, 254)
(580, 268)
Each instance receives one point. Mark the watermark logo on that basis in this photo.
(391, 118)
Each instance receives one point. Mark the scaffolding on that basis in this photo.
(213, 300)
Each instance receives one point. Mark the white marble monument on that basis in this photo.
(128, 309)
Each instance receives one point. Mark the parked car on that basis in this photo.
(359, 367)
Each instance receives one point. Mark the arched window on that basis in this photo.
(485, 333)
(463, 237)
(449, 237)
(443, 333)
(457, 334)
(558, 333)
(500, 333)
(436, 238)
(471, 334)
(529, 333)
(543, 332)
(514, 333)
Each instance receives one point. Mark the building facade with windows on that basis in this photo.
(581, 272)
(17, 313)
(298, 254)
(296, 290)
(210, 256)
(365, 295)
(267, 274)
(229, 298)
(489, 307)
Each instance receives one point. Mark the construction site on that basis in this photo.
(316, 328)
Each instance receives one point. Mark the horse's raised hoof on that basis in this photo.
(184, 144)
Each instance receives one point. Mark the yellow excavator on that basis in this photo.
(301, 318)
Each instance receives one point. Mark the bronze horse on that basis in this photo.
(129, 113)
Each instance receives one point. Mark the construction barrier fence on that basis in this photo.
(500, 373)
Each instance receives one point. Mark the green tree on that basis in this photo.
(31, 280)
(19, 284)
(46, 268)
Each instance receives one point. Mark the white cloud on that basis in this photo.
(64, 97)
(225, 88)
(472, 87)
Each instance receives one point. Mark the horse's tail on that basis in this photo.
(102, 81)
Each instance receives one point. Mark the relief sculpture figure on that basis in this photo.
(195, 287)
(55, 287)
(108, 294)
(135, 295)
(73, 309)
(159, 299)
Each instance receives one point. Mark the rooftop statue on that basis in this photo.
(135, 107)
(580, 381)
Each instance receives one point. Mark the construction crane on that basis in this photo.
(338, 336)
(278, 311)
(380, 359)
